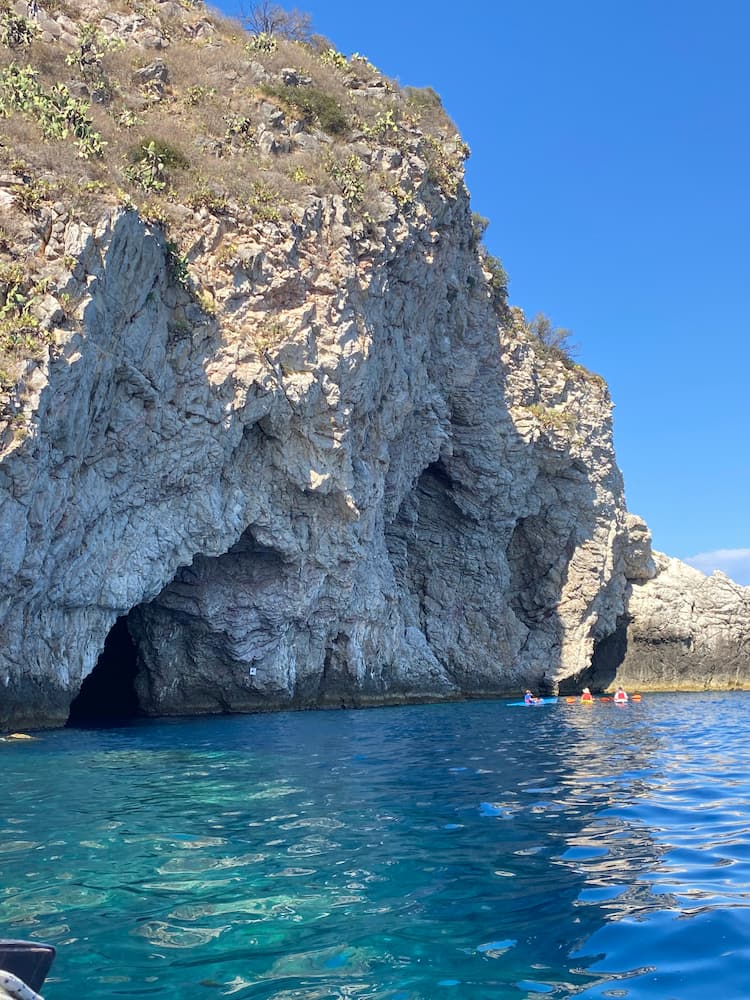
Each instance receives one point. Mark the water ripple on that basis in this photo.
(467, 850)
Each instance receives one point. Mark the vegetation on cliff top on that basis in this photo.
(166, 106)
(225, 109)
(183, 114)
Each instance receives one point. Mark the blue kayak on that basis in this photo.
(533, 704)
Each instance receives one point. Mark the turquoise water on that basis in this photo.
(461, 851)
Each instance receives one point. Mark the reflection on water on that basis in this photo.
(470, 850)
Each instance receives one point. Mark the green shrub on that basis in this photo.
(554, 341)
(89, 53)
(62, 115)
(263, 202)
(337, 60)
(19, 332)
(30, 196)
(198, 94)
(148, 169)
(19, 327)
(427, 110)
(479, 226)
(13, 287)
(240, 130)
(58, 113)
(177, 265)
(361, 62)
(444, 162)
(349, 176)
(262, 42)
(128, 119)
(498, 275)
(19, 89)
(384, 128)
(88, 57)
(205, 196)
(553, 419)
(313, 105)
(150, 161)
(16, 32)
(207, 303)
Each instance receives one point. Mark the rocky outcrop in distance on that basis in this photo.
(310, 457)
(681, 631)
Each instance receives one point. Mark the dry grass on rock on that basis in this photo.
(187, 119)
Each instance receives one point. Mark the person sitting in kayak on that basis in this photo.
(620, 696)
(530, 699)
(587, 696)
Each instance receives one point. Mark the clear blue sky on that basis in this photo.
(611, 152)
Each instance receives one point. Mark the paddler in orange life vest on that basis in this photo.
(620, 696)
(586, 696)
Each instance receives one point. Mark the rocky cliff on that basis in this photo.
(271, 435)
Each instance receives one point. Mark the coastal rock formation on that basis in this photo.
(343, 508)
(681, 631)
(301, 452)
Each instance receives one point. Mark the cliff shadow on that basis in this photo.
(486, 593)
(608, 656)
(497, 548)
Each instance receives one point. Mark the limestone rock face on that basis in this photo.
(685, 631)
(387, 495)
(679, 631)
(383, 493)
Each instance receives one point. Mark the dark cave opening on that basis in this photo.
(108, 694)
(609, 653)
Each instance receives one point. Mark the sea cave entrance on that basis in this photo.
(108, 694)
(609, 653)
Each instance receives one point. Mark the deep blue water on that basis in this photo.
(462, 851)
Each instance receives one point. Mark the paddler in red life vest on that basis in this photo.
(586, 696)
(620, 696)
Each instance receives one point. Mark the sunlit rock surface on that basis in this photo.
(388, 497)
